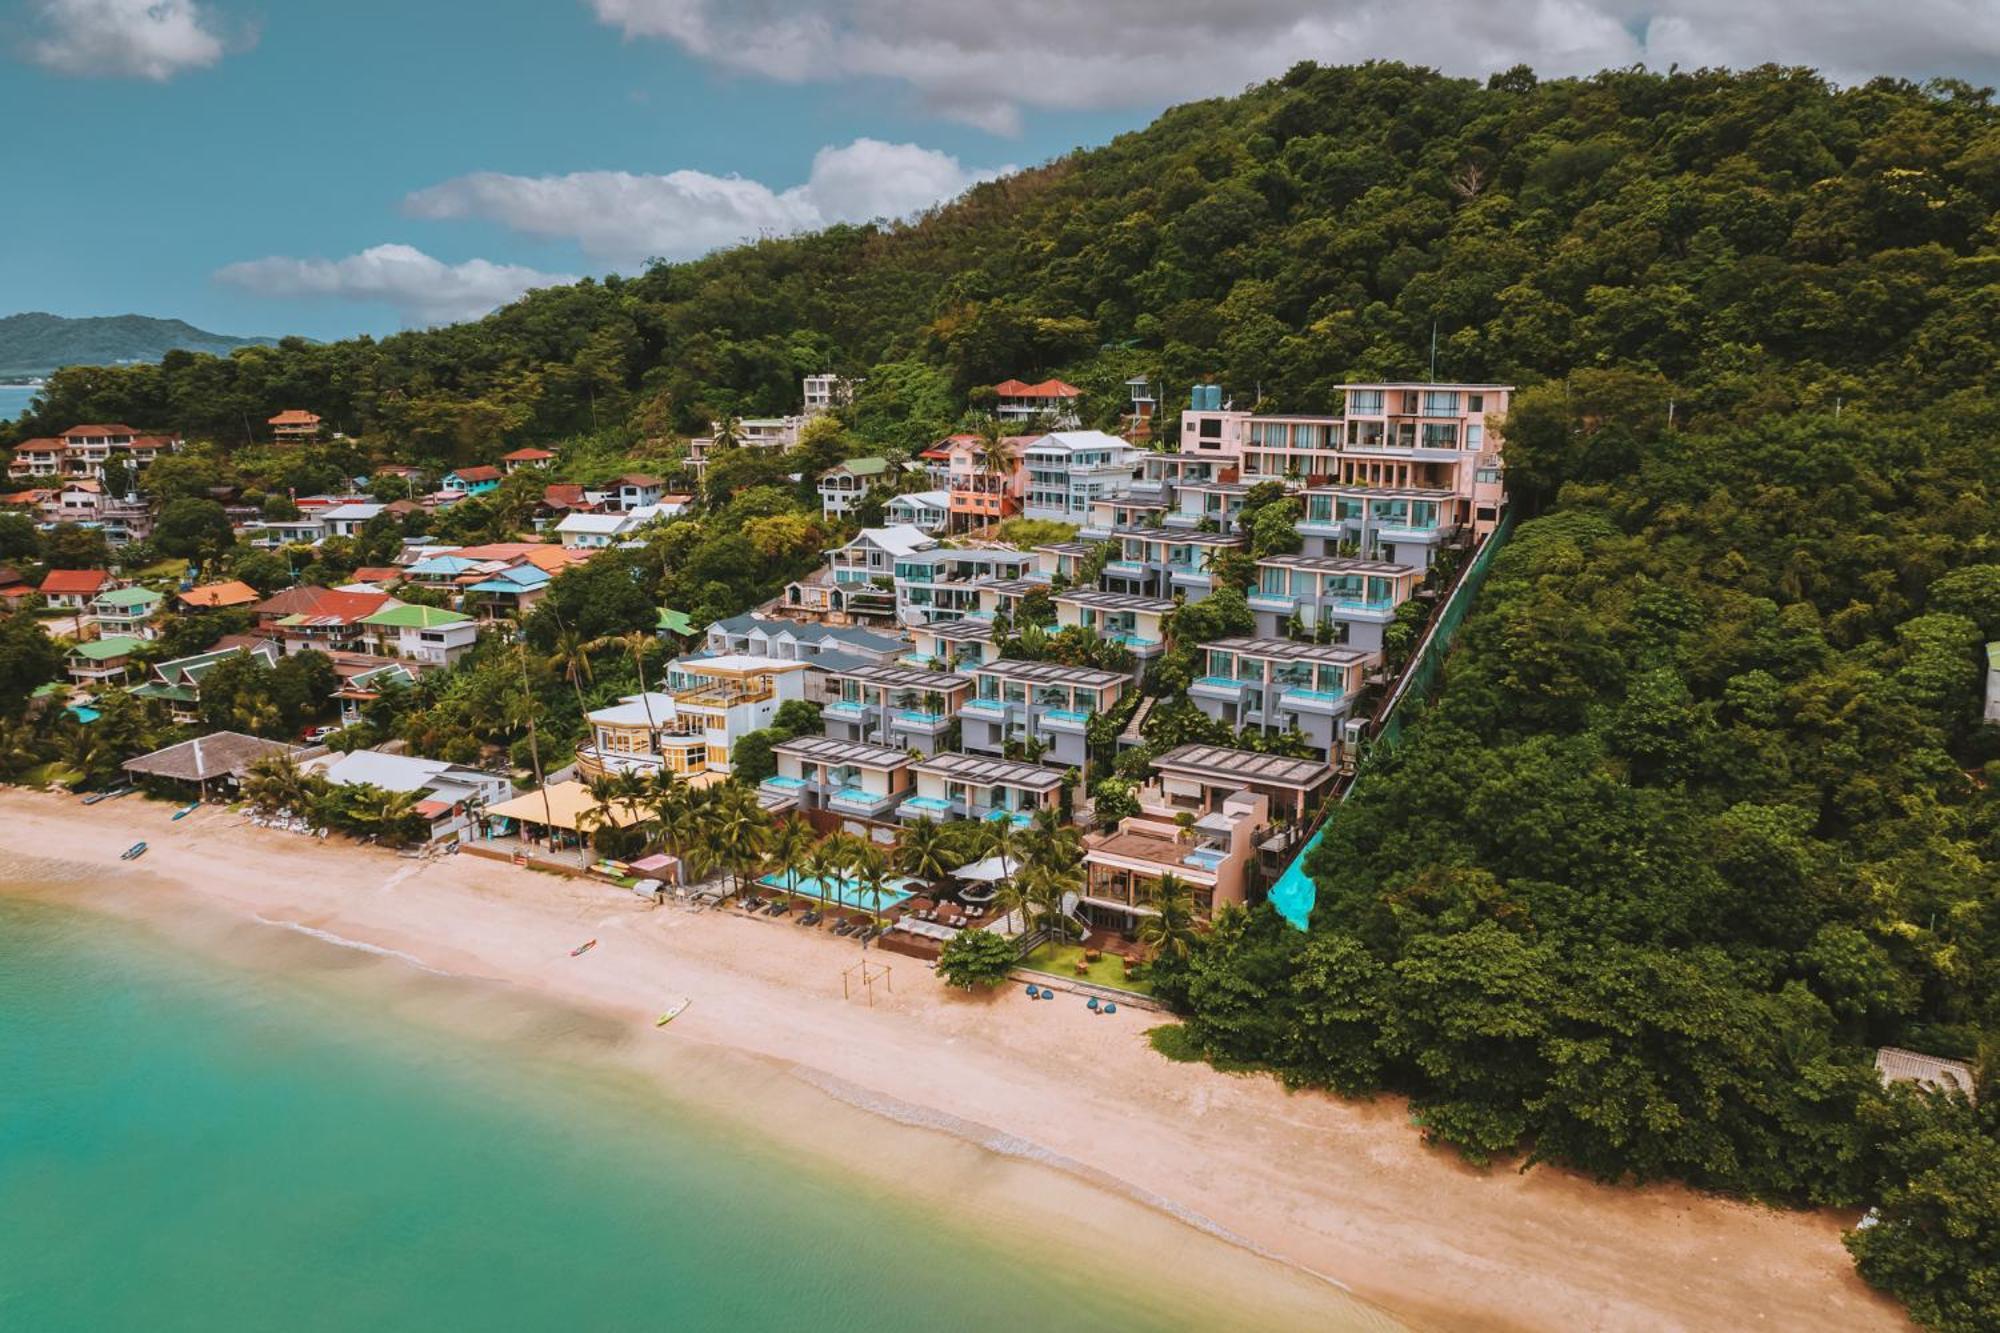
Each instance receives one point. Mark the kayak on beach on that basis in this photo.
(673, 1012)
(133, 853)
(583, 948)
(187, 809)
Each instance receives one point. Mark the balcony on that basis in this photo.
(1065, 719)
(1131, 569)
(846, 710)
(930, 807)
(861, 801)
(1327, 702)
(994, 710)
(1376, 611)
(1191, 577)
(1282, 603)
(916, 719)
(1390, 532)
(1218, 687)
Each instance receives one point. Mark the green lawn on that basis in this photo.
(1061, 959)
(163, 569)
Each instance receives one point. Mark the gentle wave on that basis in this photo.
(362, 946)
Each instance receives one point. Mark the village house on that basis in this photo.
(945, 583)
(294, 426)
(449, 796)
(1159, 562)
(595, 532)
(75, 589)
(726, 698)
(427, 634)
(1051, 400)
(103, 661)
(859, 577)
(320, 618)
(824, 393)
(217, 596)
(530, 457)
(125, 611)
(475, 480)
(843, 487)
(178, 683)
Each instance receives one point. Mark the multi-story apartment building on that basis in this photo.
(1279, 685)
(1158, 562)
(1051, 400)
(899, 705)
(1070, 470)
(951, 787)
(768, 433)
(1420, 437)
(1207, 504)
(1110, 513)
(1041, 702)
(860, 577)
(824, 393)
(841, 777)
(84, 451)
(1358, 598)
(427, 634)
(36, 458)
(1138, 623)
(978, 490)
(944, 583)
(952, 644)
(125, 611)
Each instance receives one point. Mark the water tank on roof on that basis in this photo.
(1215, 397)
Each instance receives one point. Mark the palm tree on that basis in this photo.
(1052, 839)
(389, 813)
(275, 783)
(871, 874)
(1046, 888)
(791, 843)
(999, 838)
(824, 863)
(922, 851)
(728, 432)
(1170, 931)
(741, 832)
(571, 657)
(604, 791)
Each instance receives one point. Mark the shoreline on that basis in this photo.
(1342, 1194)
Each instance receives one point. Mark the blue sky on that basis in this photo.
(333, 166)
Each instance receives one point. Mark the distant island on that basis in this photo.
(35, 343)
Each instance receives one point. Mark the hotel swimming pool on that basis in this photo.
(847, 892)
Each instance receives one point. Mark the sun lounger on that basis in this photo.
(845, 928)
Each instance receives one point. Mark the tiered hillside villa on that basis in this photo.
(692, 726)
(1282, 685)
(963, 786)
(843, 487)
(1354, 599)
(1040, 704)
(1159, 562)
(840, 777)
(927, 511)
(1137, 623)
(895, 705)
(1070, 470)
(977, 494)
(955, 645)
(944, 583)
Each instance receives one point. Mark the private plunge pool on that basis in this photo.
(847, 892)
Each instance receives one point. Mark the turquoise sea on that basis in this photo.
(14, 399)
(191, 1144)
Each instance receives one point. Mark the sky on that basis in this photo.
(329, 167)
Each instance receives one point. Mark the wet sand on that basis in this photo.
(1047, 1115)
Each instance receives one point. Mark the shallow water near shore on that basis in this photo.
(262, 1134)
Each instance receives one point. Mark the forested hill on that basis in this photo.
(1757, 239)
(36, 343)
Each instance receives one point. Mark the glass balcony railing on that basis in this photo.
(1218, 683)
(1070, 716)
(847, 709)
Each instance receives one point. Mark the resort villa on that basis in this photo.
(976, 495)
(946, 583)
(952, 645)
(860, 576)
(1403, 527)
(726, 698)
(594, 532)
(1357, 598)
(903, 706)
(1212, 854)
(427, 634)
(1068, 471)
(1280, 685)
(1041, 703)
(847, 778)
(837, 646)
(1063, 560)
(1158, 562)
(644, 733)
(952, 787)
(1137, 623)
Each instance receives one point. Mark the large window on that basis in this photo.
(1362, 402)
(1440, 403)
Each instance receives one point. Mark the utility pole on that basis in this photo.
(1434, 351)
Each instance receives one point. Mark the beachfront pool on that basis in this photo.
(847, 892)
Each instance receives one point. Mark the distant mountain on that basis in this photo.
(36, 343)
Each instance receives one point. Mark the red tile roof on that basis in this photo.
(564, 495)
(524, 456)
(41, 446)
(322, 604)
(479, 472)
(377, 574)
(75, 581)
(294, 416)
(233, 592)
(1046, 389)
(115, 428)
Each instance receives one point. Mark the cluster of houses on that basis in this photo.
(922, 713)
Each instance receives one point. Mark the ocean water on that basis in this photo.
(14, 400)
(190, 1144)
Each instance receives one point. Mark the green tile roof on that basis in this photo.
(675, 622)
(103, 650)
(127, 597)
(413, 616)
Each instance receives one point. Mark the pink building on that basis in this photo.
(1400, 438)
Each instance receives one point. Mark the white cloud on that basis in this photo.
(624, 218)
(982, 61)
(145, 39)
(422, 289)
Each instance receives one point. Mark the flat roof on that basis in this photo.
(1217, 487)
(1012, 587)
(1441, 388)
(905, 677)
(1051, 673)
(1336, 564)
(1226, 764)
(1113, 601)
(737, 664)
(827, 750)
(1184, 536)
(1069, 548)
(989, 772)
(1382, 492)
(957, 631)
(1289, 651)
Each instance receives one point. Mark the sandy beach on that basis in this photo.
(1343, 1190)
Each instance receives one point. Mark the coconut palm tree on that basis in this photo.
(791, 842)
(571, 657)
(923, 851)
(999, 838)
(870, 868)
(741, 831)
(824, 863)
(605, 791)
(728, 432)
(1047, 885)
(1170, 932)
(390, 815)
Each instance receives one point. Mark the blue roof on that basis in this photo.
(513, 579)
(444, 564)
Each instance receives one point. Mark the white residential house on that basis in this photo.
(824, 393)
(427, 634)
(861, 576)
(347, 520)
(449, 796)
(928, 511)
(586, 532)
(1070, 470)
(843, 488)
